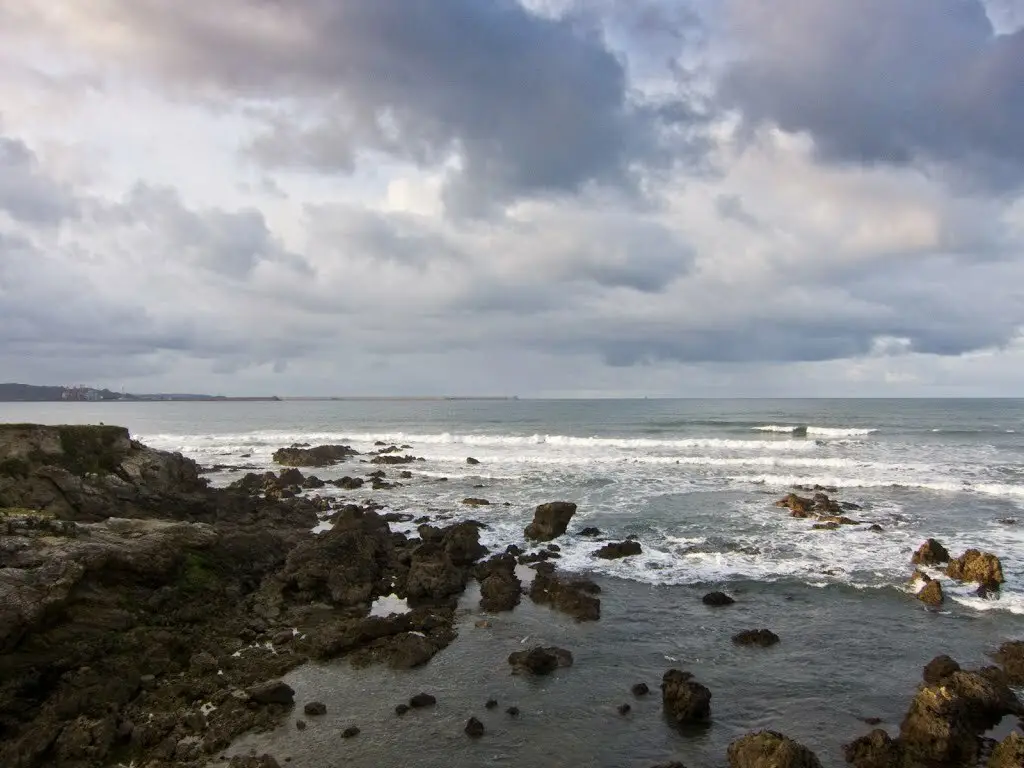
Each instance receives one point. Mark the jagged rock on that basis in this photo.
(347, 483)
(1011, 658)
(760, 637)
(930, 553)
(501, 591)
(320, 456)
(539, 660)
(876, 750)
(574, 597)
(432, 574)
(315, 709)
(974, 565)
(273, 692)
(471, 461)
(717, 599)
(1009, 753)
(769, 749)
(391, 459)
(474, 728)
(683, 699)
(932, 593)
(618, 550)
(938, 669)
(589, 531)
(550, 520)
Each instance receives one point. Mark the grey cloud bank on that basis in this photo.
(494, 197)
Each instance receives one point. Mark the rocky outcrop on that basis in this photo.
(684, 699)
(617, 550)
(876, 750)
(572, 596)
(974, 565)
(769, 749)
(763, 638)
(319, 456)
(1009, 753)
(938, 669)
(392, 459)
(550, 520)
(1010, 657)
(500, 588)
(931, 593)
(539, 660)
(930, 553)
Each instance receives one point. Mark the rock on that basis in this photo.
(1009, 753)
(931, 594)
(938, 669)
(401, 709)
(640, 689)
(831, 526)
(760, 637)
(617, 550)
(1011, 658)
(347, 483)
(252, 761)
(539, 660)
(683, 699)
(574, 597)
(392, 459)
(491, 703)
(432, 574)
(421, 700)
(350, 732)
(768, 749)
(876, 528)
(876, 750)
(471, 461)
(978, 566)
(550, 520)
(501, 591)
(673, 764)
(589, 531)
(300, 725)
(203, 663)
(273, 692)
(930, 553)
(315, 708)
(871, 720)
(320, 456)
(474, 728)
(717, 599)
(512, 711)
(624, 709)
(475, 502)
(1007, 521)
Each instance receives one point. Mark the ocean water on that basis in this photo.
(695, 482)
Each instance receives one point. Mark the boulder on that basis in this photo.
(315, 709)
(432, 574)
(501, 591)
(351, 732)
(617, 550)
(938, 669)
(1011, 658)
(512, 711)
(931, 594)
(550, 520)
(589, 531)
(474, 728)
(768, 749)
(471, 461)
(320, 456)
(539, 660)
(1009, 753)
(876, 750)
(683, 699)
(640, 689)
(930, 553)
(717, 599)
(760, 637)
(575, 597)
(421, 700)
(272, 692)
(974, 565)
(476, 502)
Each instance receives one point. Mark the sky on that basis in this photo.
(543, 198)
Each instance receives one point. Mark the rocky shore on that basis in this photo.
(146, 619)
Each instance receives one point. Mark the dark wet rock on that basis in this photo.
(512, 711)
(405, 474)
(397, 517)
(433, 576)
(769, 749)
(572, 596)
(624, 709)
(300, 725)
(401, 709)
(1009, 753)
(315, 708)
(513, 550)
(392, 459)
(974, 565)
(350, 732)
(616, 550)
(476, 502)
(876, 528)
(641, 689)
(273, 692)
(871, 720)
(684, 699)
(717, 599)
(550, 520)
(930, 553)
(402, 641)
(471, 461)
(1007, 521)
(474, 728)
(760, 637)
(553, 548)
(320, 456)
(673, 764)
(539, 556)
(831, 526)
(589, 531)
(500, 591)
(347, 483)
(1010, 657)
(539, 660)
(938, 669)
(491, 704)
(252, 761)
(931, 594)
(421, 700)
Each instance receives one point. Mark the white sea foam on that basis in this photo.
(817, 431)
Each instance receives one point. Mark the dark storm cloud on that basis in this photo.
(27, 193)
(885, 81)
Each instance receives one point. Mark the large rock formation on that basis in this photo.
(974, 565)
(930, 553)
(319, 456)
(550, 520)
(684, 699)
(539, 660)
(768, 749)
(572, 596)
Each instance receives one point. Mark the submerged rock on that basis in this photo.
(683, 699)
(575, 596)
(540, 660)
(641, 689)
(421, 700)
(320, 456)
(717, 599)
(769, 749)
(315, 709)
(617, 550)
(474, 728)
(760, 637)
(974, 565)
(550, 520)
(930, 553)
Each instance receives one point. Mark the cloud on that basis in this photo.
(27, 193)
(899, 82)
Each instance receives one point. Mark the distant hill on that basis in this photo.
(27, 393)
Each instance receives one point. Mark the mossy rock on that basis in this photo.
(199, 573)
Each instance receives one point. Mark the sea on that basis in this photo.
(694, 481)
